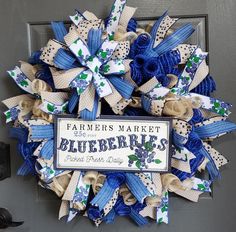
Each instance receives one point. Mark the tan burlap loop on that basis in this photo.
(38, 113)
(180, 108)
(171, 182)
(59, 184)
(128, 197)
(98, 183)
(39, 85)
(153, 201)
(135, 102)
(173, 80)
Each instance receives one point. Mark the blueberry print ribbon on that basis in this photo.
(12, 114)
(162, 209)
(21, 80)
(97, 66)
(201, 185)
(52, 108)
(114, 17)
(80, 198)
(77, 18)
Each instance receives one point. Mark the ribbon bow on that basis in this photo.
(96, 66)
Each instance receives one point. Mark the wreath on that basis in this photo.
(111, 66)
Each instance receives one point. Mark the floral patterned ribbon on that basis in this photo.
(97, 65)
(114, 18)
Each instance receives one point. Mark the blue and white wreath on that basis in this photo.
(112, 66)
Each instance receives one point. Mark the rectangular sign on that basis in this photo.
(119, 144)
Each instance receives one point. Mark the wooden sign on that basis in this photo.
(113, 143)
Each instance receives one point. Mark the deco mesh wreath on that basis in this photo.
(113, 67)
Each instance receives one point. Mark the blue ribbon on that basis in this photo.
(110, 217)
(73, 101)
(47, 150)
(137, 187)
(44, 72)
(156, 26)
(131, 111)
(194, 164)
(172, 41)
(19, 133)
(132, 25)
(59, 30)
(195, 145)
(113, 181)
(26, 150)
(178, 140)
(206, 87)
(140, 45)
(90, 115)
(197, 117)
(122, 209)
(214, 129)
(41, 132)
(94, 40)
(65, 60)
(122, 86)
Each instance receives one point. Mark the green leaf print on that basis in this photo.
(103, 54)
(216, 104)
(79, 91)
(83, 76)
(201, 187)
(138, 164)
(160, 220)
(64, 108)
(106, 68)
(148, 146)
(12, 73)
(8, 115)
(133, 157)
(24, 83)
(196, 59)
(164, 208)
(96, 69)
(111, 36)
(157, 161)
(50, 107)
(222, 111)
(80, 52)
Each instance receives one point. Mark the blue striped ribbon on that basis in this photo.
(42, 132)
(172, 41)
(122, 86)
(113, 181)
(73, 101)
(90, 115)
(65, 60)
(47, 150)
(59, 30)
(110, 217)
(155, 27)
(94, 40)
(215, 129)
(137, 187)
